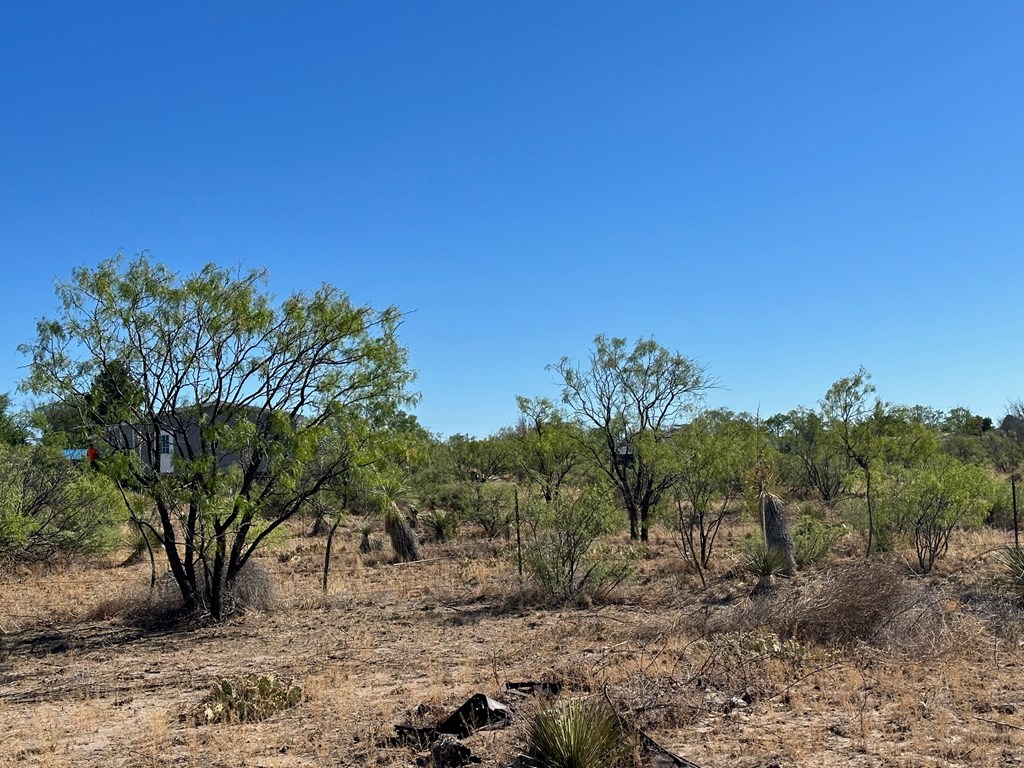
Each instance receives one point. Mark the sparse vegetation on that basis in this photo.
(839, 661)
(249, 698)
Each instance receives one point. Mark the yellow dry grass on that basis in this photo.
(81, 685)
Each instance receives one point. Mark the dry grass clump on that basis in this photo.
(866, 601)
(161, 605)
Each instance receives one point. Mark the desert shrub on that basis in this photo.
(999, 506)
(440, 524)
(254, 589)
(580, 734)
(249, 698)
(564, 560)
(490, 507)
(54, 509)
(814, 540)
(369, 541)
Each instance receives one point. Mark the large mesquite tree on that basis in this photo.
(253, 391)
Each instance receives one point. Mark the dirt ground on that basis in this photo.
(83, 684)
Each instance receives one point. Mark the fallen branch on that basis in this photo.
(999, 723)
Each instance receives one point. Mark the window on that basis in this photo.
(165, 444)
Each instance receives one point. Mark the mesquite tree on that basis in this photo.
(234, 397)
(629, 401)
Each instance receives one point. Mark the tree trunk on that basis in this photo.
(327, 552)
(1016, 527)
(403, 539)
(776, 535)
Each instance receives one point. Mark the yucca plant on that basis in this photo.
(1012, 560)
(369, 541)
(440, 524)
(766, 563)
(580, 734)
(394, 505)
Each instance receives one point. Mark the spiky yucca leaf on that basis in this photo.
(765, 562)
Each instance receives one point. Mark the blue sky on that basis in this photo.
(783, 191)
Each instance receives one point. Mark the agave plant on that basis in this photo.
(580, 734)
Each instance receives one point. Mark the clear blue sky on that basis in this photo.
(784, 191)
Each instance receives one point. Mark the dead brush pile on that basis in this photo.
(862, 602)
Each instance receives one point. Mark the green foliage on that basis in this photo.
(763, 561)
(580, 734)
(629, 400)
(814, 540)
(546, 447)
(960, 421)
(13, 429)
(249, 698)
(490, 507)
(441, 525)
(709, 457)
(564, 560)
(259, 394)
(52, 508)
(940, 498)
(810, 458)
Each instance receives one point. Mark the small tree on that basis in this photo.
(853, 419)
(709, 458)
(941, 497)
(547, 446)
(629, 399)
(250, 387)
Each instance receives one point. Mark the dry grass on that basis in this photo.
(934, 680)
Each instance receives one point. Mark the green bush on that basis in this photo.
(577, 735)
(52, 508)
(565, 560)
(440, 524)
(814, 540)
(249, 698)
